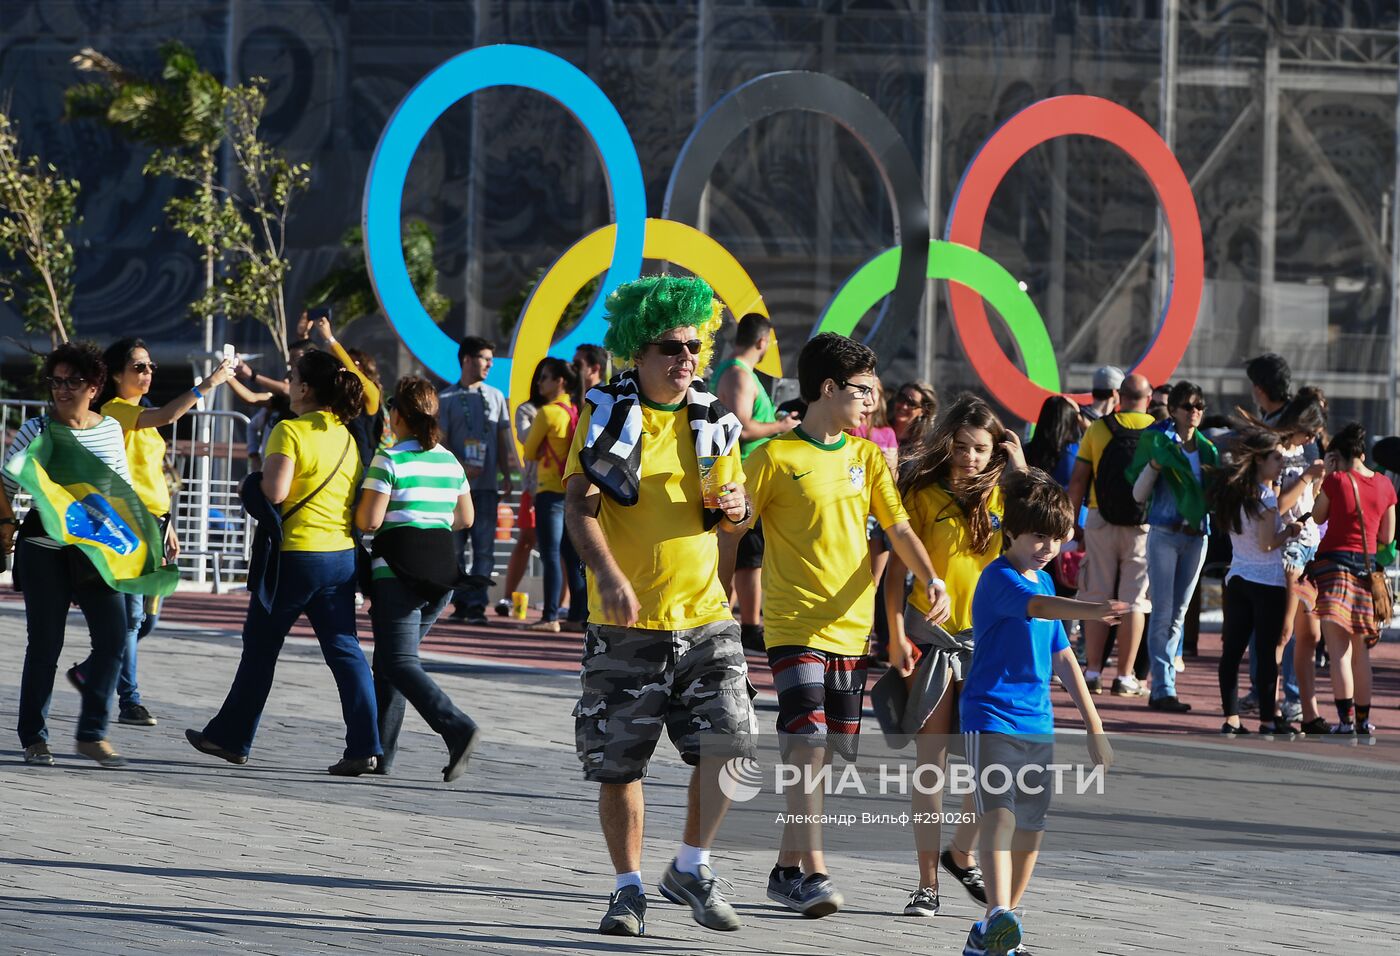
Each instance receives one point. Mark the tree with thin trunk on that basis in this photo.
(179, 115)
(37, 208)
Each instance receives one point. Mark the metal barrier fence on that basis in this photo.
(206, 459)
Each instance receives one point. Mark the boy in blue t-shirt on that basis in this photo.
(1005, 708)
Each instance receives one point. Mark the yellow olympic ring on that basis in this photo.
(671, 241)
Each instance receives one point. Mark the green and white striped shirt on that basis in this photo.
(423, 487)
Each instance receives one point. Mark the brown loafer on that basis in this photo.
(102, 752)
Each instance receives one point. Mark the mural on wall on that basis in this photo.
(896, 275)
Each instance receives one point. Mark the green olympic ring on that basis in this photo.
(962, 264)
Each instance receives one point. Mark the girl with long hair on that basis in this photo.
(310, 476)
(1056, 440)
(525, 414)
(130, 371)
(1301, 424)
(951, 487)
(1246, 504)
(548, 446)
(1358, 507)
(415, 494)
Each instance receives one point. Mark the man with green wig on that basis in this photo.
(653, 476)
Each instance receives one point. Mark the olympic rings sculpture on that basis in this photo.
(896, 275)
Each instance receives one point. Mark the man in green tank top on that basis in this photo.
(737, 385)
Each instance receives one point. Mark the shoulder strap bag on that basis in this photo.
(1381, 597)
(317, 490)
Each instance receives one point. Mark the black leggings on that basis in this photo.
(1256, 609)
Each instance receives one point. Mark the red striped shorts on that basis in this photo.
(820, 695)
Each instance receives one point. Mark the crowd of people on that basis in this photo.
(681, 520)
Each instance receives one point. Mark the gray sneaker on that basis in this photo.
(811, 895)
(922, 902)
(1292, 711)
(627, 913)
(701, 893)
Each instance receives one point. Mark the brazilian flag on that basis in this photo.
(83, 502)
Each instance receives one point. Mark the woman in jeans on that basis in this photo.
(1168, 470)
(415, 494)
(1358, 507)
(54, 576)
(548, 445)
(311, 474)
(1255, 587)
(130, 371)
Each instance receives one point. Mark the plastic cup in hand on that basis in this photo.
(710, 487)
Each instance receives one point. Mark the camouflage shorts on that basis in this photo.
(694, 682)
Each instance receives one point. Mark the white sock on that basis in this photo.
(1090, 675)
(691, 858)
(629, 879)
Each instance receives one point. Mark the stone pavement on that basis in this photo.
(181, 853)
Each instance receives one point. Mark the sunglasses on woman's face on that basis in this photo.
(1194, 406)
(673, 347)
(908, 402)
(140, 368)
(72, 383)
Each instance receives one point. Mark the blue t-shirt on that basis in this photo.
(1008, 685)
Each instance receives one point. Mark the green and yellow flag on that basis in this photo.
(83, 502)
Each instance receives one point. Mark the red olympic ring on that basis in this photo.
(1084, 116)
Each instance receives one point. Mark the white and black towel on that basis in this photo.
(611, 455)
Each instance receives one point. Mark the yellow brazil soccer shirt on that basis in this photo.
(813, 500)
(942, 527)
(145, 456)
(548, 444)
(660, 543)
(1098, 436)
(314, 443)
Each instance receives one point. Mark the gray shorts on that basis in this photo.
(694, 682)
(1006, 787)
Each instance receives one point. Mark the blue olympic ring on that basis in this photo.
(464, 74)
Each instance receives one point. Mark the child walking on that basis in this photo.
(1005, 707)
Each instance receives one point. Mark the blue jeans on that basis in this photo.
(559, 558)
(476, 547)
(1174, 562)
(321, 584)
(401, 620)
(136, 628)
(51, 580)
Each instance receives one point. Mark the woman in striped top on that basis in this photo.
(415, 494)
(52, 575)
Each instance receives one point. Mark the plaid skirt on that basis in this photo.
(1338, 595)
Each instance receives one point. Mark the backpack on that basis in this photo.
(1112, 489)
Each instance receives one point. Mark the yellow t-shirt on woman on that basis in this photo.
(939, 522)
(314, 442)
(145, 456)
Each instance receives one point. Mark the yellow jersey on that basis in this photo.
(942, 526)
(314, 443)
(660, 543)
(813, 499)
(145, 456)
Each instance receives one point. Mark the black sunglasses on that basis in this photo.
(139, 367)
(72, 383)
(672, 347)
(1193, 406)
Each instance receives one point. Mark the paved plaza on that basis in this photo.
(181, 853)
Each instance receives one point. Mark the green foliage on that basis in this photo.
(185, 116)
(348, 288)
(37, 208)
(510, 311)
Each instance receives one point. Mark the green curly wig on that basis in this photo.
(640, 311)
